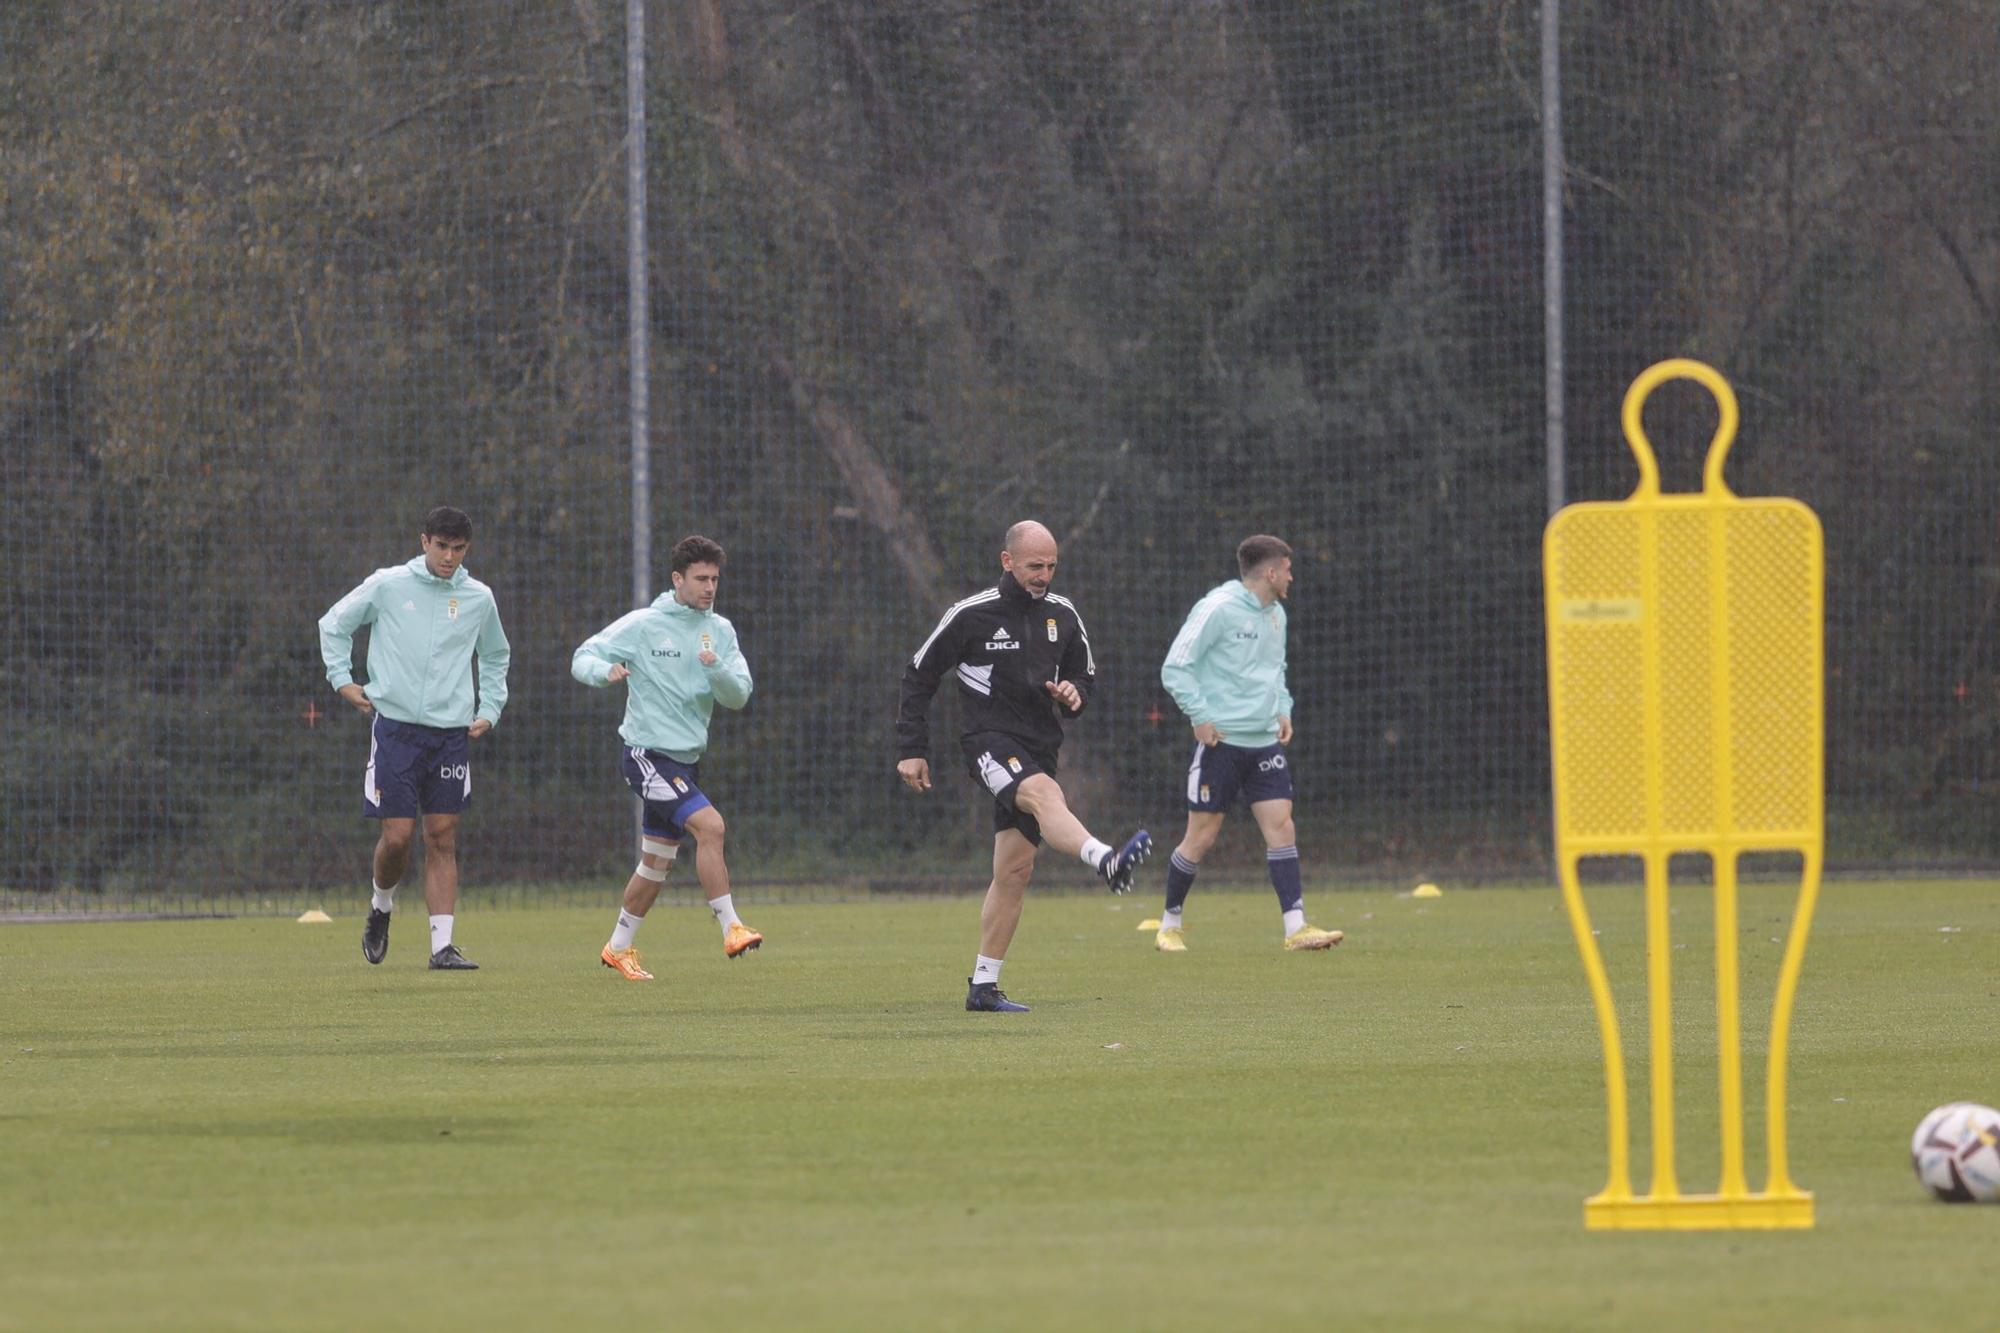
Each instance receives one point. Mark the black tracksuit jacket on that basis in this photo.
(1003, 646)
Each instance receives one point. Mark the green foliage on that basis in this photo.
(278, 278)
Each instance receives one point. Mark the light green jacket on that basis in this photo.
(670, 695)
(425, 632)
(1227, 666)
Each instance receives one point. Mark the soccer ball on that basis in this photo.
(1956, 1153)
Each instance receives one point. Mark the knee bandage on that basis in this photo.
(654, 847)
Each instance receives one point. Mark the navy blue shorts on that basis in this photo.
(1220, 773)
(1000, 763)
(667, 787)
(415, 770)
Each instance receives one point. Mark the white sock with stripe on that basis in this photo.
(985, 969)
(383, 900)
(725, 913)
(440, 932)
(1094, 852)
(628, 926)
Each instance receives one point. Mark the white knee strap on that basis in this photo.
(654, 847)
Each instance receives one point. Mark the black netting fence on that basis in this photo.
(278, 277)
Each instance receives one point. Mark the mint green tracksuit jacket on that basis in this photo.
(1227, 666)
(670, 695)
(425, 632)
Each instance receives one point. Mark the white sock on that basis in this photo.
(628, 926)
(440, 932)
(725, 913)
(985, 970)
(1295, 921)
(1171, 920)
(384, 900)
(1094, 852)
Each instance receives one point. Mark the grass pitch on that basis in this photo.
(240, 1125)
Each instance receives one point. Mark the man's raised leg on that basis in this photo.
(1040, 796)
(712, 870)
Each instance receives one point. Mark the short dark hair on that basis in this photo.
(696, 550)
(448, 523)
(1258, 550)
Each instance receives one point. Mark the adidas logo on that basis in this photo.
(1000, 633)
(409, 606)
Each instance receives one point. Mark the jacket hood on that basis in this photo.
(667, 604)
(1240, 592)
(423, 571)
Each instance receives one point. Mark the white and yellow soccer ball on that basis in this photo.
(1956, 1153)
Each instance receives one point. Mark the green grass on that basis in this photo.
(240, 1125)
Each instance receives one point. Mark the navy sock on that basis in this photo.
(1180, 878)
(1283, 863)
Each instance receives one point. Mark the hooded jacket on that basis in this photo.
(670, 695)
(1227, 666)
(420, 649)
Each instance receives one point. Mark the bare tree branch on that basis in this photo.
(874, 490)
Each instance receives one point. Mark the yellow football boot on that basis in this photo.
(1312, 937)
(1169, 940)
(625, 962)
(740, 939)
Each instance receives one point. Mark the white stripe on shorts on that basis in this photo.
(993, 774)
(655, 787)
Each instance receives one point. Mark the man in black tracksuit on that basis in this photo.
(1023, 664)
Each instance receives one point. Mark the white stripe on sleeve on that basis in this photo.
(1182, 652)
(974, 600)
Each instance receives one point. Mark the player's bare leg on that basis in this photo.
(711, 869)
(392, 851)
(1000, 914)
(1202, 828)
(441, 891)
(392, 858)
(642, 890)
(1040, 796)
(1281, 858)
(1013, 865)
(441, 864)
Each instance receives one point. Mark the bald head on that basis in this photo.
(1028, 531)
(1030, 556)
